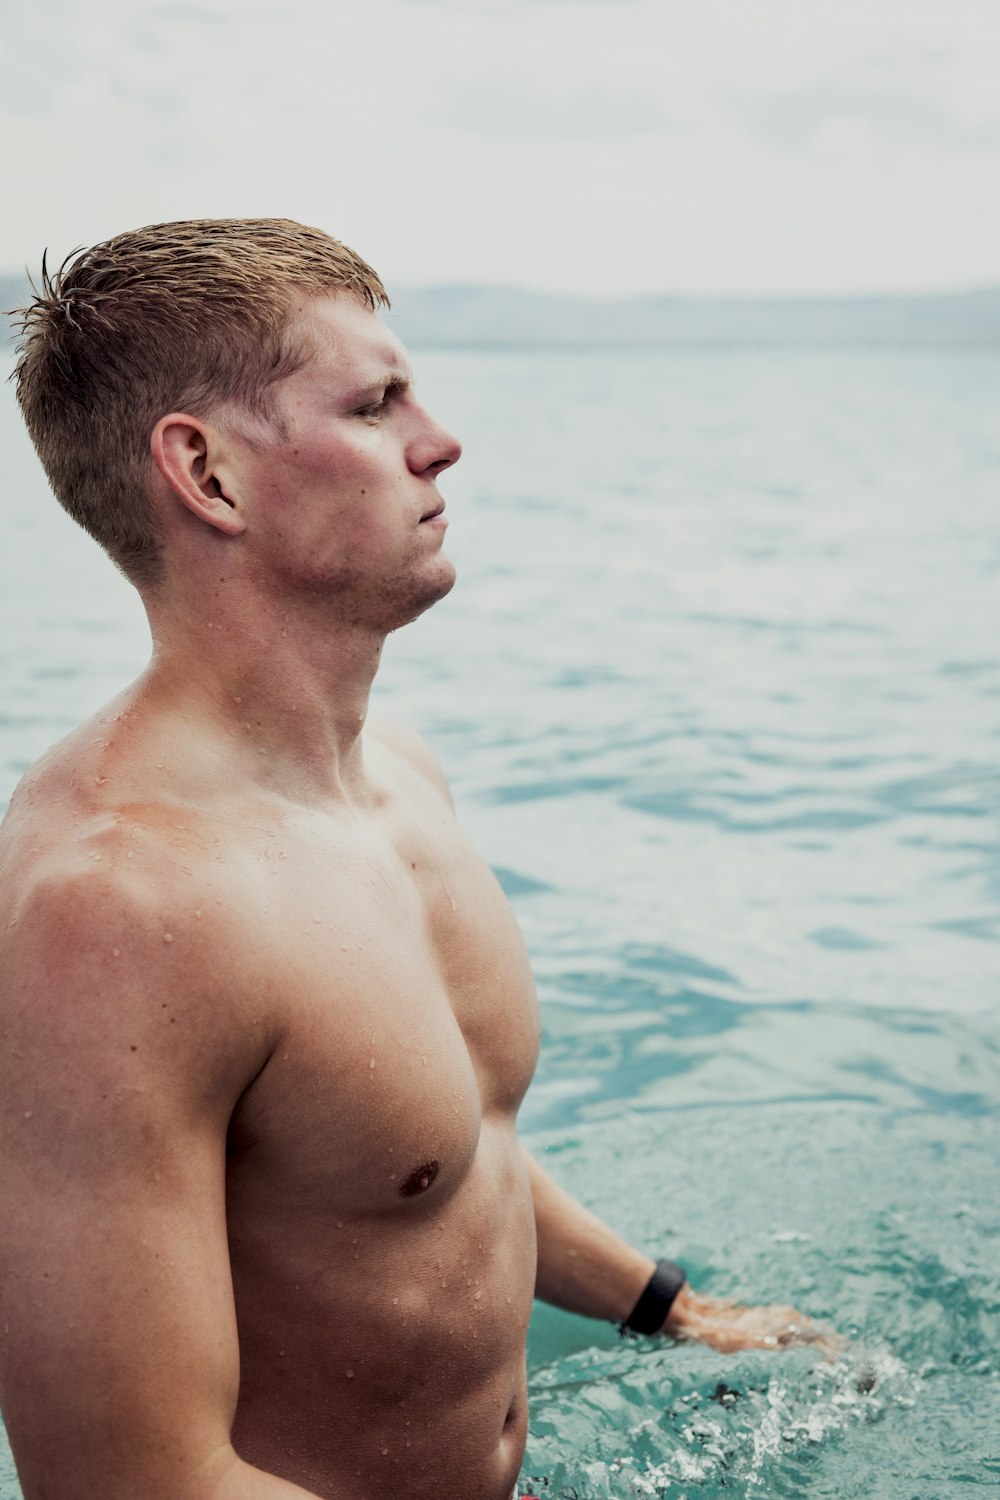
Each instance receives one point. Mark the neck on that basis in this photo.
(289, 686)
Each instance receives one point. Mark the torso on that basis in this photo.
(379, 1217)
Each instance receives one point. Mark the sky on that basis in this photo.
(610, 147)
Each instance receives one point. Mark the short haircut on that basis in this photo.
(173, 317)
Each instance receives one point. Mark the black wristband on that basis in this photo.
(650, 1312)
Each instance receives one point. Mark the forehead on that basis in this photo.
(345, 340)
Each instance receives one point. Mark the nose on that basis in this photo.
(433, 449)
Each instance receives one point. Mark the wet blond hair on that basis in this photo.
(173, 317)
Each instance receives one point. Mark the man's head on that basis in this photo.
(193, 316)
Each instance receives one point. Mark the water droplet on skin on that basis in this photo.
(116, 953)
(199, 915)
(28, 1113)
(476, 1295)
(317, 919)
(371, 1062)
(168, 937)
(348, 1373)
(343, 947)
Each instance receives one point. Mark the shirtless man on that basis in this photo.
(266, 1229)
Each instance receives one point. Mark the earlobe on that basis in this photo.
(186, 452)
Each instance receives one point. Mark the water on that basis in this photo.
(719, 696)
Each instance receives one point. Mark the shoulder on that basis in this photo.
(114, 951)
(407, 747)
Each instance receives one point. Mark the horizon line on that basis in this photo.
(870, 294)
(966, 289)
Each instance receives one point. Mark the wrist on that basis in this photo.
(652, 1312)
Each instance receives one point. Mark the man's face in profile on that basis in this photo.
(340, 490)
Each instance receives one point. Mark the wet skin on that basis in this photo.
(381, 1227)
(350, 999)
(271, 1014)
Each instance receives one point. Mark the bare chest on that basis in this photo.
(407, 1013)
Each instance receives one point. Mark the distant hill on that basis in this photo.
(510, 317)
(505, 317)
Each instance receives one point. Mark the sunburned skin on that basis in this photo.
(367, 970)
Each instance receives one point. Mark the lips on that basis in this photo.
(431, 514)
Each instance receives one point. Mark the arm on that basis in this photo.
(119, 1366)
(584, 1267)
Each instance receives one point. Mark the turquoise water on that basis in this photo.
(719, 696)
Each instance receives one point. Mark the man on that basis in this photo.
(267, 1231)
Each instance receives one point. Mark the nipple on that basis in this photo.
(419, 1180)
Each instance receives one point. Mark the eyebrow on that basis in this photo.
(391, 382)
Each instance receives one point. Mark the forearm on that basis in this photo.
(222, 1477)
(240, 1481)
(583, 1265)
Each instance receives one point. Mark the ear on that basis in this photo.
(187, 453)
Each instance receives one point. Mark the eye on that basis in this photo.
(374, 410)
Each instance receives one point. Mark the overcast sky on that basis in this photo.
(586, 145)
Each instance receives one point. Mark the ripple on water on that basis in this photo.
(881, 1223)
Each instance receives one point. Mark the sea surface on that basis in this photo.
(718, 692)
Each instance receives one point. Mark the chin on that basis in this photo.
(435, 589)
(395, 602)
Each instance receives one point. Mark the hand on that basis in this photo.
(727, 1326)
